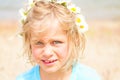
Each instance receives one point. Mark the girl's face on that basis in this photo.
(50, 49)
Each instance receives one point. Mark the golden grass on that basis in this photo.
(102, 50)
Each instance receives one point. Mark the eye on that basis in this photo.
(39, 43)
(57, 42)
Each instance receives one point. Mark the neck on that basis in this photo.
(59, 75)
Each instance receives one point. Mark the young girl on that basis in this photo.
(54, 41)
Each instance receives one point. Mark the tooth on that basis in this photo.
(49, 61)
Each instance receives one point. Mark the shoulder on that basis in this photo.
(29, 75)
(84, 72)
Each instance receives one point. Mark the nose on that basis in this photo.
(48, 51)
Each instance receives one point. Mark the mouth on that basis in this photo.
(48, 62)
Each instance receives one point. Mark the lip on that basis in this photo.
(49, 62)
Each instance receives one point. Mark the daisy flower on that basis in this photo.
(83, 27)
(73, 8)
(79, 19)
(30, 4)
(23, 14)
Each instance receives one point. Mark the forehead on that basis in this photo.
(45, 32)
(47, 23)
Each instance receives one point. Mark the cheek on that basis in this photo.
(63, 52)
(35, 53)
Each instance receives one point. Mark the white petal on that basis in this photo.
(64, 1)
(30, 2)
(21, 11)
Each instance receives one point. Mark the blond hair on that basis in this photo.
(40, 13)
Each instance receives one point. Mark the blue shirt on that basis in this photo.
(79, 72)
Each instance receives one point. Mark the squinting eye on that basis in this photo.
(38, 43)
(57, 42)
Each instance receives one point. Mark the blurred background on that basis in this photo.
(103, 38)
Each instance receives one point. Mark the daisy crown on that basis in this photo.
(80, 20)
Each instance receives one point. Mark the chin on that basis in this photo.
(51, 70)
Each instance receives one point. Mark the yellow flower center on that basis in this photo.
(73, 9)
(25, 13)
(82, 27)
(64, 4)
(32, 4)
(78, 20)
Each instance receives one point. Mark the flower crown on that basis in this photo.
(80, 20)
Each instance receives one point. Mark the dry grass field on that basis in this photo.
(102, 49)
